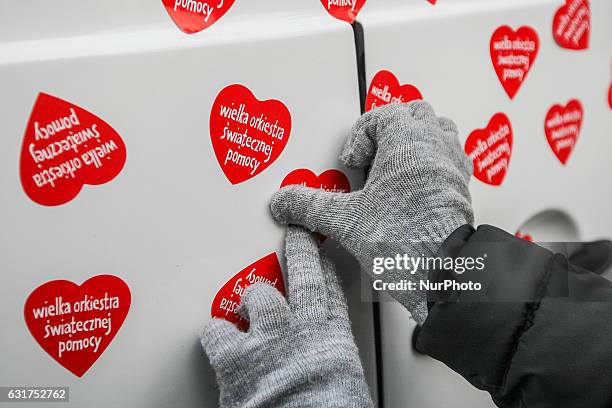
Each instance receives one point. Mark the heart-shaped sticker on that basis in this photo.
(65, 147)
(225, 304)
(432, 1)
(330, 180)
(521, 235)
(75, 324)
(572, 25)
(193, 16)
(513, 54)
(247, 135)
(346, 10)
(386, 89)
(562, 127)
(490, 150)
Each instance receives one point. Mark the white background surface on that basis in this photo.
(176, 230)
(444, 51)
(170, 224)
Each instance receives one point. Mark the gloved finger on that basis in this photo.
(265, 307)
(448, 125)
(219, 336)
(337, 301)
(307, 292)
(328, 213)
(369, 132)
(360, 148)
(424, 112)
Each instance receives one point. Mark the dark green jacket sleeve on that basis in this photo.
(538, 347)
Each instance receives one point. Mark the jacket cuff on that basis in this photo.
(478, 338)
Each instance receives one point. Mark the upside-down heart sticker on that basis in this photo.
(65, 147)
(562, 127)
(225, 304)
(75, 324)
(490, 150)
(330, 180)
(513, 54)
(345, 10)
(193, 16)
(386, 89)
(572, 25)
(247, 135)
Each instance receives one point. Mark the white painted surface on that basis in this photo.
(175, 229)
(170, 224)
(444, 51)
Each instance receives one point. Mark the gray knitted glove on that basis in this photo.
(299, 353)
(416, 193)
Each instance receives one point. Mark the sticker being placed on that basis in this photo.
(247, 135)
(386, 89)
(65, 147)
(490, 150)
(346, 10)
(513, 54)
(75, 324)
(562, 127)
(192, 16)
(330, 180)
(572, 25)
(266, 270)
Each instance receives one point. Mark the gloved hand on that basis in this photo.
(299, 353)
(415, 196)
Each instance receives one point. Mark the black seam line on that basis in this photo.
(529, 315)
(358, 36)
(360, 55)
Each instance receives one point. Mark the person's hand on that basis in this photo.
(415, 196)
(297, 353)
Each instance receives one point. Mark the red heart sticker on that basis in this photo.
(610, 96)
(562, 127)
(346, 10)
(386, 89)
(65, 147)
(572, 25)
(75, 324)
(330, 180)
(193, 16)
(247, 135)
(226, 302)
(521, 235)
(490, 150)
(432, 1)
(513, 54)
